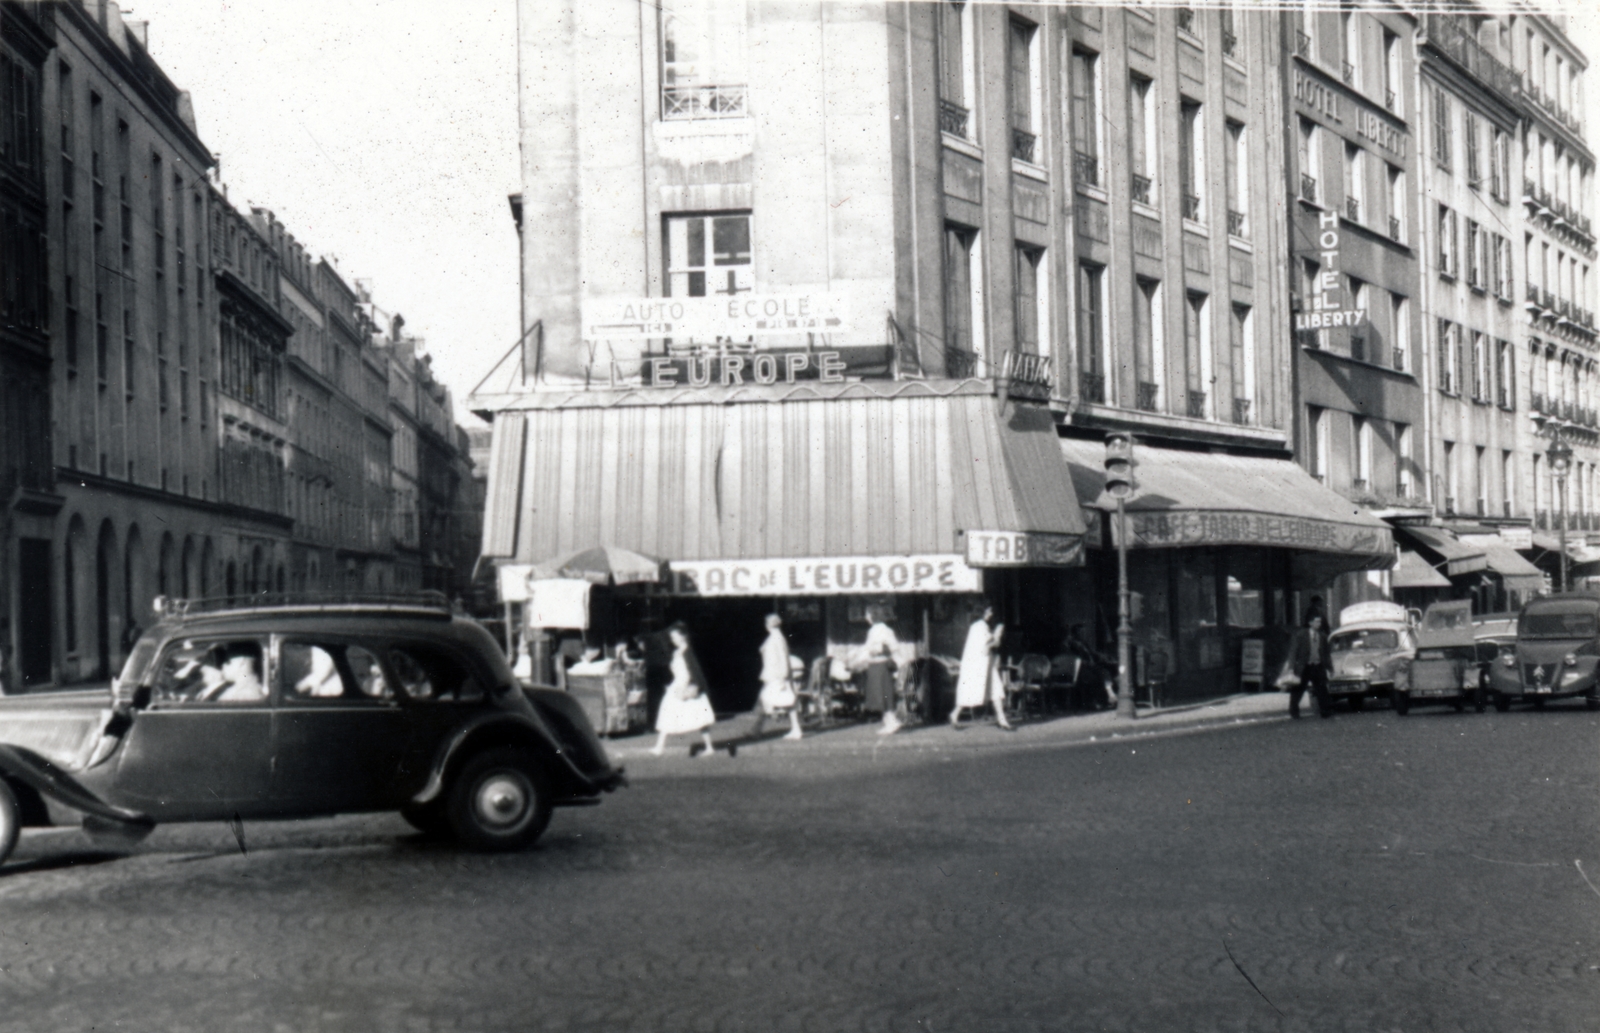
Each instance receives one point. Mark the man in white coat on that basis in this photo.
(777, 691)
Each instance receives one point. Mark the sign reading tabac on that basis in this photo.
(1023, 549)
(846, 575)
(728, 316)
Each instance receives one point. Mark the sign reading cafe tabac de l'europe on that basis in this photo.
(845, 575)
(1201, 527)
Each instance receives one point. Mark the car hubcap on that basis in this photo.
(502, 800)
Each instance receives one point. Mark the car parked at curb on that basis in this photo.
(1555, 656)
(304, 709)
(1372, 641)
(1448, 665)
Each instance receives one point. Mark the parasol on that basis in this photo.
(605, 565)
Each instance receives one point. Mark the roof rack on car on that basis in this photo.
(429, 602)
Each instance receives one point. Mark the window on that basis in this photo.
(1508, 481)
(1480, 477)
(124, 198)
(1025, 87)
(1091, 333)
(1362, 441)
(962, 301)
(1352, 48)
(703, 73)
(1361, 335)
(1197, 353)
(1475, 274)
(330, 672)
(1310, 155)
(1452, 477)
(708, 254)
(1396, 179)
(1506, 375)
(429, 674)
(1500, 166)
(69, 139)
(1391, 71)
(1229, 23)
(1441, 128)
(1242, 357)
(1142, 138)
(127, 353)
(1148, 343)
(1402, 460)
(1191, 159)
(1448, 360)
(1032, 320)
(1400, 313)
(955, 68)
(1448, 259)
(1355, 189)
(1480, 367)
(1474, 162)
(200, 671)
(1085, 74)
(1317, 432)
(1237, 161)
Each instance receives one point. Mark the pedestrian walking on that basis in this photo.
(684, 707)
(777, 685)
(879, 653)
(1306, 666)
(979, 681)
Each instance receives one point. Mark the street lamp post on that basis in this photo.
(1560, 456)
(1119, 485)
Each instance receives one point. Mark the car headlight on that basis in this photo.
(1370, 668)
(1570, 660)
(1509, 659)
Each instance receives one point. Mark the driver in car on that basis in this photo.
(244, 680)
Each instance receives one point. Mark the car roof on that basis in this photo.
(1563, 604)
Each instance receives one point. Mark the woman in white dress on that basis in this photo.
(979, 682)
(777, 687)
(684, 707)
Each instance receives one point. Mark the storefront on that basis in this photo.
(817, 501)
(1222, 548)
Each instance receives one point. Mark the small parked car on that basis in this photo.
(1373, 640)
(1448, 665)
(1555, 656)
(301, 710)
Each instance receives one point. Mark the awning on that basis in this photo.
(1415, 572)
(1516, 573)
(1185, 498)
(864, 473)
(1458, 557)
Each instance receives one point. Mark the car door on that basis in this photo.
(338, 732)
(201, 748)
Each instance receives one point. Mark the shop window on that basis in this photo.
(1246, 585)
(1197, 609)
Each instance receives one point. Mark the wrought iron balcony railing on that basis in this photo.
(1141, 188)
(1085, 169)
(1185, 17)
(1352, 209)
(1389, 99)
(686, 102)
(1533, 293)
(1197, 404)
(1302, 45)
(1308, 188)
(952, 118)
(1230, 43)
(1022, 143)
(1191, 208)
(1091, 386)
(1236, 224)
(1536, 402)
(1148, 395)
(1399, 358)
(1394, 229)
(1349, 74)
(1241, 410)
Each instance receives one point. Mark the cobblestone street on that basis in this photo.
(1369, 873)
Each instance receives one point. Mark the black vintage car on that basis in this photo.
(301, 710)
(1556, 654)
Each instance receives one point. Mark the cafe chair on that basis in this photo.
(1030, 679)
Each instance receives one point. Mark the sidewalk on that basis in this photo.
(1060, 730)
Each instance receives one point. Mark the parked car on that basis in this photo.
(302, 710)
(1556, 652)
(1448, 665)
(1372, 641)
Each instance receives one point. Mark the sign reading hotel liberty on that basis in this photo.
(845, 575)
(730, 317)
(1327, 308)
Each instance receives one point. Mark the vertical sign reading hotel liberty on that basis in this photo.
(1324, 307)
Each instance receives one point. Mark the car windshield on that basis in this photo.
(1365, 639)
(1557, 625)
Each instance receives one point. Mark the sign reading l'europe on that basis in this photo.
(845, 575)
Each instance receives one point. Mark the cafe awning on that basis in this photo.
(1517, 574)
(1415, 572)
(1457, 556)
(1197, 498)
(831, 471)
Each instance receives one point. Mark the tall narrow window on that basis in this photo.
(1480, 479)
(1091, 333)
(1355, 182)
(1474, 159)
(1452, 477)
(955, 68)
(1361, 333)
(1032, 321)
(703, 70)
(1317, 434)
(1352, 48)
(1448, 261)
(1242, 364)
(1197, 353)
(1361, 434)
(124, 197)
(1480, 367)
(1025, 87)
(1441, 128)
(1508, 482)
(1505, 375)
(1141, 138)
(1474, 249)
(1500, 167)
(1310, 160)
(1391, 70)
(1400, 314)
(1147, 343)
(1237, 159)
(1447, 358)
(69, 140)
(962, 317)
(1085, 76)
(1396, 179)
(1191, 159)
(1230, 31)
(1402, 460)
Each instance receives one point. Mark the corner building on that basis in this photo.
(846, 324)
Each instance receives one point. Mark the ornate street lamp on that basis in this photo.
(1560, 456)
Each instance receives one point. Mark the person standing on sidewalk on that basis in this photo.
(979, 682)
(777, 688)
(1308, 660)
(880, 651)
(684, 707)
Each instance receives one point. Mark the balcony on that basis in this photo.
(1399, 358)
(1349, 74)
(1302, 45)
(1085, 169)
(1395, 233)
(1236, 224)
(1191, 208)
(1148, 396)
(1308, 188)
(1022, 143)
(1352, 209)
(953, 118)
(1548, 300)
(1141, 188)
(1454, 37)
(689, 102)
(1091, 386)
(1536, 402)
(1241, 411)
(1533, 294)
(1197, 404)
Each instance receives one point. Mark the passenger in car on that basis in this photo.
(243, 675)
(323, 679)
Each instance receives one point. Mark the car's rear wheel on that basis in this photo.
(1501, 703)
(1355, 703)
(1480, 699)
(1460, 705)
(500, 800)
(1538, 702)
(1592, 700)
(429, 818)
(1402, 705)
(10, 821)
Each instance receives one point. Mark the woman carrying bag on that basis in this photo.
(684, 707)
(1306, 666)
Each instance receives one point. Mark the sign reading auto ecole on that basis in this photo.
(1023, 549)
(727, 316)
(845, 575)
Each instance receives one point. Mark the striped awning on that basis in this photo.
(823, 477)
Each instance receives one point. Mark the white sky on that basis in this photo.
(385, 133)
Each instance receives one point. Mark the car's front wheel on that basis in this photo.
(1355, 703)
(1402, 704)
(500, 800)
(1501, 703)
(429, 819)
(10, 821)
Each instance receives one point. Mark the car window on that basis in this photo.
(211, 671)
(1557, 625)
(428, 673)
(1366, 639)
(313, 672)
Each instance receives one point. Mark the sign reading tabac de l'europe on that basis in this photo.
(845, 575)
